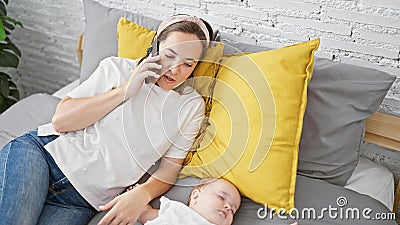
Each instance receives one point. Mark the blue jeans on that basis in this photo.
(33, 190)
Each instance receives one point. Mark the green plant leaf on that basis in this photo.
(8, 59)
(6, 104)
(10, 46)
(2, 32)
(4, 86)
(14, 93)
(14, 21)
(8, 25)
(5, 75)
(3, 10)
(2, 103)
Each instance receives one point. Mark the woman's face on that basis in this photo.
(179, 53)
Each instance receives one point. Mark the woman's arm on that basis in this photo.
(126, 208)
(77, 113)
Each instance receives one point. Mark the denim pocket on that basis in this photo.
(60, 186)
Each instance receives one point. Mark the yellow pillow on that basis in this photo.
(209, 64)
(256, 123)
(204, 81)
(133, 40)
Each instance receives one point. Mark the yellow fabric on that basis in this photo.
(205, 71)
(204, 81)
(133, 40)
(208, 65)
(256, 123)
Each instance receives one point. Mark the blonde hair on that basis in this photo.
(204, 183)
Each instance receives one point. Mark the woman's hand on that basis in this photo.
(148, 214)
(125, 208)
(135, 82)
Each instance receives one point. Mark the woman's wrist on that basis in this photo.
(144, 192)
(120, 93)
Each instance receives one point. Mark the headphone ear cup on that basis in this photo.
(153, 49)
(148, 51)
(154, 46)
(216, 36)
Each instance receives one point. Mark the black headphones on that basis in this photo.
(153, 49)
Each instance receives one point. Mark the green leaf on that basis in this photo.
(3, 10)
(14, 21)
(8, 59)
(2, 32)
(4, 87)
(14, 93)
(9, 45)
(2, 104)
(5, 75)
(8, 25)
(10, 102)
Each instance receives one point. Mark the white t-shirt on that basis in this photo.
(176, 213)
(104, 158)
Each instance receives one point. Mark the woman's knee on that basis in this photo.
(23, 156)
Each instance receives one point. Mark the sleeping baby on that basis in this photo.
(212, 201)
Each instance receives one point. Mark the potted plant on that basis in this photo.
(9, 58)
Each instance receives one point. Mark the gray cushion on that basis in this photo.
(340, 98)
(231, 47)
(101, 33)
(26, 115)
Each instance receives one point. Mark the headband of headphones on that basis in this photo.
(179, 18)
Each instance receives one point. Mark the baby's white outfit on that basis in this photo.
(177, 213)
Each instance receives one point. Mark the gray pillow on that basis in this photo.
(101, 33)
(231, 47)
(340, 98)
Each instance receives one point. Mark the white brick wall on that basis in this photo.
(316, 25)
(365, 18)
(287, 5)
(47, 42)
(361, 32)
(382, 3)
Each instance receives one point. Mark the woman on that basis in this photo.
(106, 134)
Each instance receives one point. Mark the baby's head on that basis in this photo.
(217, 200)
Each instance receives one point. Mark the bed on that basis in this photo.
(368, 186)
